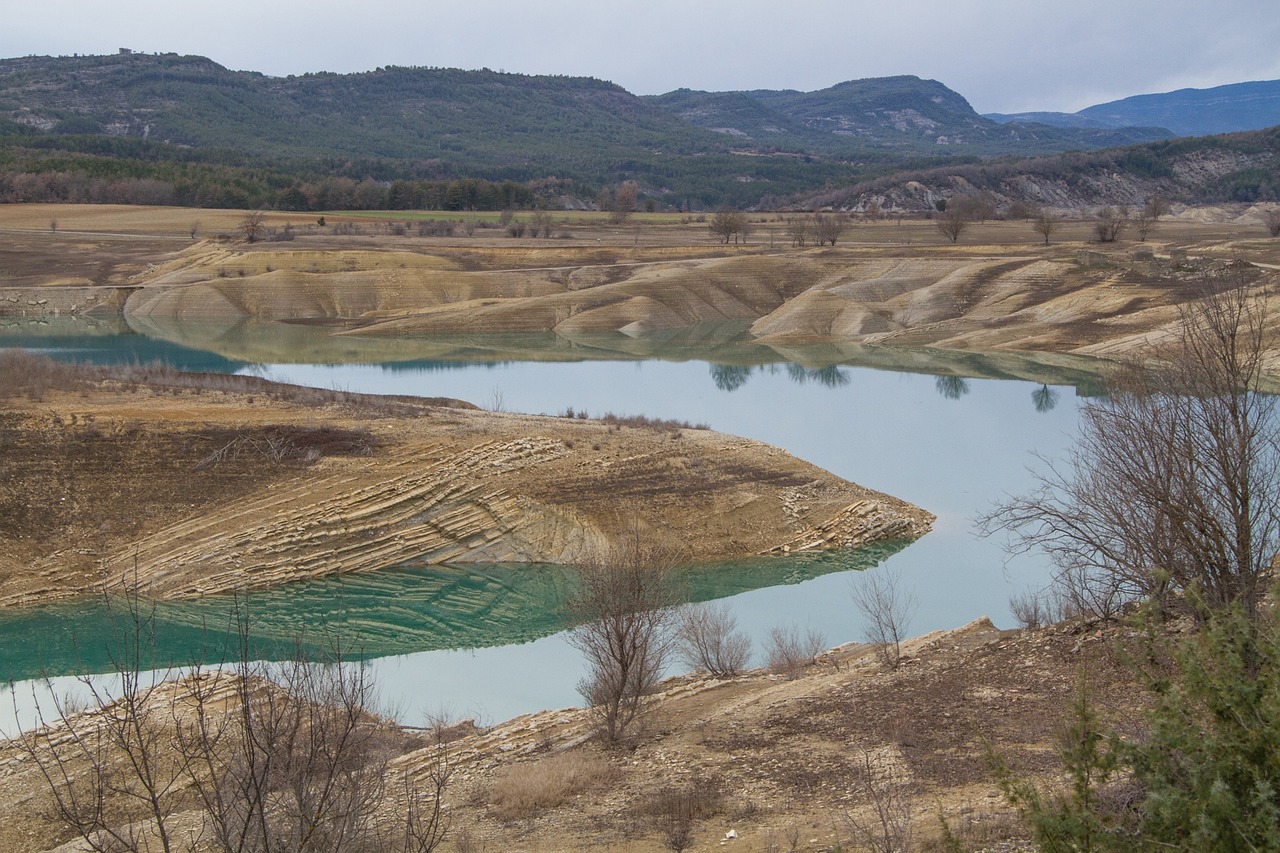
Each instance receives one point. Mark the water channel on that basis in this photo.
(950, 432)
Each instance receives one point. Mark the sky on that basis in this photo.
(1002, 55)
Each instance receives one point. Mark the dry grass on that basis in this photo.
(527, 789)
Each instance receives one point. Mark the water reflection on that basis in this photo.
(733, 354)
(730, 377)
(828, 377)
(951, 387)
(392, 612)
(1044, 398)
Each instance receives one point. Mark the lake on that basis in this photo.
(951, 432)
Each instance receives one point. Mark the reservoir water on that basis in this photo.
(950, 432)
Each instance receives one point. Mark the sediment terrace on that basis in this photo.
(199, 485)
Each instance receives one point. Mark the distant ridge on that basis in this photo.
(1185, 112)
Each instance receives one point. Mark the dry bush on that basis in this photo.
(291, 443)
(708, 639)
(886, 825)
(622, 613)
(274, 756)
(790, 651)
(31, 375)
(887, 610)
(527, 789)
(674, 810)
(1034, 610)
(644, 422)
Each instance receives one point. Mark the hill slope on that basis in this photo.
(1239, 167)
(904, 114)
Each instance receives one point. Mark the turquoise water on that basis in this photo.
(952, 433)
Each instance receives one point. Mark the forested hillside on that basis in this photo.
(170, 129)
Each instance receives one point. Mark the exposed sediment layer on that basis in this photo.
(966, 301)
(156, 494)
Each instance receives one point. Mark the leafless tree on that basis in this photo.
(294, 761)
(624, 201)
(252, 225)
(887, 609)
(952, 222)
(1272, 220)
(886, 827)
(1046, 224)
(1155, 207)
(727, 223)
(975, 207)
(112, 773)
(194, 228)
(799, 229)
(1143, 222)
(1173, 483)
(790, 651)
(708, 639)
(827, 227)
(541, 226)
(53, 225)
(623, 614)
(1109, 223)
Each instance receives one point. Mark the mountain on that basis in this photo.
(170, 129)
(1186, 112)
(902, 113)
(1237, 167)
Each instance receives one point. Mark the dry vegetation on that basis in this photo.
(862, 746)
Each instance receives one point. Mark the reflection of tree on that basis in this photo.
(1045, 398)
(830, 376)
(951, 387)
(730, 377)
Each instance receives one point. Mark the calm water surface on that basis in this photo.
(481, 641)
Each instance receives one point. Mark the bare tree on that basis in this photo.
(1172, 486)
(624, 201)
(541, 226)
(799, 229)
(1109, 223)
(887, 610)
(1143, 222)
(295, 763)
(623, 613)
(112, 773)
(1046, 224)
(790, 651)
(727, 223)
(252, 225)
(708, 639)
(1272, 220)
(887, 825)
(827, 227)
(952, 222)
(1155, 207)
(194, 228)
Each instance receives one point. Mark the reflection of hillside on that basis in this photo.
(374, 615)
(730, 348)
(108, 340)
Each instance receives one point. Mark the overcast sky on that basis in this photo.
(1003, 55)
